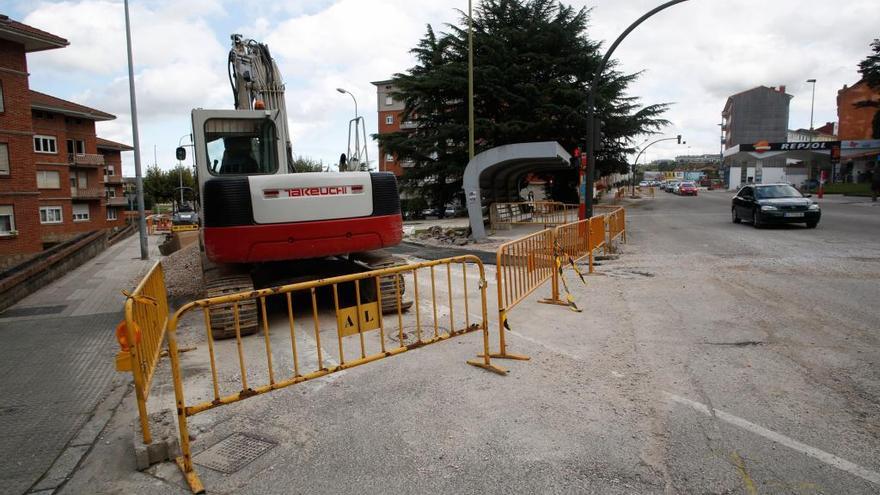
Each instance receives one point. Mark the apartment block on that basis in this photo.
(757, 114)
(55, 179)
(390, 111)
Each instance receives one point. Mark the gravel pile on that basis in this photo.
(183, 273)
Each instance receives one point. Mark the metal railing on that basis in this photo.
(146, 315)
(358, 321)
(532, 212)
(84, 193)
(521, 267)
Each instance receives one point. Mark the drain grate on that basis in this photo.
(410, 336)
(233, 453)
(33, 311)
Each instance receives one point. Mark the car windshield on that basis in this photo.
(687, 184)
(777, 191)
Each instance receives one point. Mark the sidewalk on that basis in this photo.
(56, 369)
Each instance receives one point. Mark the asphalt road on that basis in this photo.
(710, 358)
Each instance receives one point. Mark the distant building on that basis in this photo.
(390, 120)
(55, 177)
(808, 136)
(705, 159)
(757, 114)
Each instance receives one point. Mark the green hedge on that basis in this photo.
(848, 189)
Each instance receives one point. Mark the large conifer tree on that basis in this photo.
(533, 63)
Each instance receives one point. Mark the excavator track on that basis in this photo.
(221, 282)
(387, 284)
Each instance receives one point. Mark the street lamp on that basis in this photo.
(636, 161)
(359, 128)
(591, 103)
(812, 103)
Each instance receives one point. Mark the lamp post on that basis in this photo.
(812, 103)
(591, 103)
(636, 161)
(357, 136)
(139, 180)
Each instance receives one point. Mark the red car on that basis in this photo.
(687, 189)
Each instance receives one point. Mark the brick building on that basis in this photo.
(855, 122)
(52, 174)
(390, 112)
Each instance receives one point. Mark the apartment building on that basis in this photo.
(114, 185)
(390, 120)
(757, 114)
(52, 174)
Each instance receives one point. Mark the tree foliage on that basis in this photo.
(869, 68)
(306, 164)
(533, 64)
(161, 186)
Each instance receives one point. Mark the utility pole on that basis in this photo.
(139, 180)
(591, 104)
(470, 80)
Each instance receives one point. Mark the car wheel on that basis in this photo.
(756, 219)
(734, 216)
(812, 225)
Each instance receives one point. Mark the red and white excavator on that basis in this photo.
(264, 224)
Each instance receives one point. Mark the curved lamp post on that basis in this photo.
(636, 161)
(591, 103)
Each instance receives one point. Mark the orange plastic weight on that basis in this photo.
(122, 335)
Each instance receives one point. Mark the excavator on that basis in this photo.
(263, 223)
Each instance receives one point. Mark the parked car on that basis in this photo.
(672, 186)
(687, 189)
(764, 204)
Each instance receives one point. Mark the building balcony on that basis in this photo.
(408, 124)
(407, 163)
(113, 179)
(78, 193)
(117, 201)
(86, 160)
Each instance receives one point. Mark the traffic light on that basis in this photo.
(597, 133)
(679, 138)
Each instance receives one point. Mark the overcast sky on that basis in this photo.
(693, 55)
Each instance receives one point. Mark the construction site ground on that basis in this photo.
(709, 358)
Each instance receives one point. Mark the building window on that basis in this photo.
(45, 144)
(82, 178)
(77, 146)
(110, 172)
(389, 157)
(7, 220)
(4, 159)
(111, 193)
(389, 101)
(80, 212)
(48, 179)
(112, 214)
(50, 214)
(389, 119)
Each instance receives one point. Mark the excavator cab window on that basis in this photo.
(241, 147)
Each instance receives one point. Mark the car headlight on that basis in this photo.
(768, 208)
(814, 206)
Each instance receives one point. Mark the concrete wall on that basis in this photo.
(49, 266)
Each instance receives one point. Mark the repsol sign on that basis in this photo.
(762, 146)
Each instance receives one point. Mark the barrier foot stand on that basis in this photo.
(192, 479)
(507, 355)
(553, 301)
(479, 363)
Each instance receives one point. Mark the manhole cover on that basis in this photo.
(233, 453)
(410, 336)
(33, 311)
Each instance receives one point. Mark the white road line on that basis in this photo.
(830, 459)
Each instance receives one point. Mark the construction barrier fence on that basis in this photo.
(141, 336)
(521, 266)
(435, 314)
(532, 212)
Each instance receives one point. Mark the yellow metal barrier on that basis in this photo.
(146, 315)
(521, 267)
(351, 324)
(532, 212)
(616, 221)
(184, 227)
(573, 242)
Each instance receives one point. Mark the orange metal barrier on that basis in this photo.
(616, 224)
(356, 324)
(573, 242)
(146, 315)
(521, 267)
(532, 212)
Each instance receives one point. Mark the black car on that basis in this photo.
(764, 204)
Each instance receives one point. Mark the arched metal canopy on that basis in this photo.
(497, 172)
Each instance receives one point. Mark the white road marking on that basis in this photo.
(830, 459)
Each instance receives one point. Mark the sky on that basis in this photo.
(693, 55)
